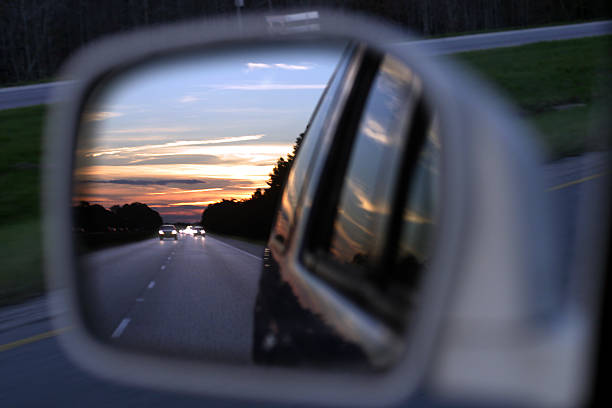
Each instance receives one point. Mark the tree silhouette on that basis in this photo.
(37, 35)
(252, 218)
(136, 217)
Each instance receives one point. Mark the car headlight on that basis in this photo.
(174, 232)
(161, 232)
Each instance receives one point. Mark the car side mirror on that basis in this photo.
(210, 233)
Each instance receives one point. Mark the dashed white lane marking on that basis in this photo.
(169, 258)
(119, 330)
(163, 267)
(151, 284)
(139, 299)
(239, 250)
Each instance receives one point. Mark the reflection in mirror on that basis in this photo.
(180, 171)
(179, 166)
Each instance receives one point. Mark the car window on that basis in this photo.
(309, 142)
(364, 206)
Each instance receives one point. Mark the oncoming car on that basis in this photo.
(199, 232)
(167, 231)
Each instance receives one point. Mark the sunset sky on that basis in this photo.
(178, 135)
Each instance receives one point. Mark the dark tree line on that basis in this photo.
(252, 217)
(36, 36)
(135, 217)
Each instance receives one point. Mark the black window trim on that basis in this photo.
(280, 242)
(326, 197)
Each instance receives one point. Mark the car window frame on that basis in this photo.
(277, 241)
(314, 255)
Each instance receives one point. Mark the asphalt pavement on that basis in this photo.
(190, 297)
(193, 296)
(511, 38)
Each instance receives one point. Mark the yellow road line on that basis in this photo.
(28, 340)
(571, 183)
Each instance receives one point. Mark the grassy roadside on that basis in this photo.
(21, 276)
(20, 137)
(541, 78)
(560, 86)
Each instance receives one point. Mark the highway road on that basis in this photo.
(30, 95)
(511, 38)
(19, 96)
(193, 297)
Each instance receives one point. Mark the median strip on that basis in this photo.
(33, 339)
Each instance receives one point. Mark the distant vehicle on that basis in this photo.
(188, 230)
(167, 231)
(199, 232)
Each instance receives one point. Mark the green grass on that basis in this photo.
(541, 77)
(20, 252)
(21, 273)
(564, 131)
(20, 139)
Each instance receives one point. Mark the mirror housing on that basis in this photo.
(485, 276)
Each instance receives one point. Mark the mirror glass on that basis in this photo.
(159, 144)
(179, 177)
